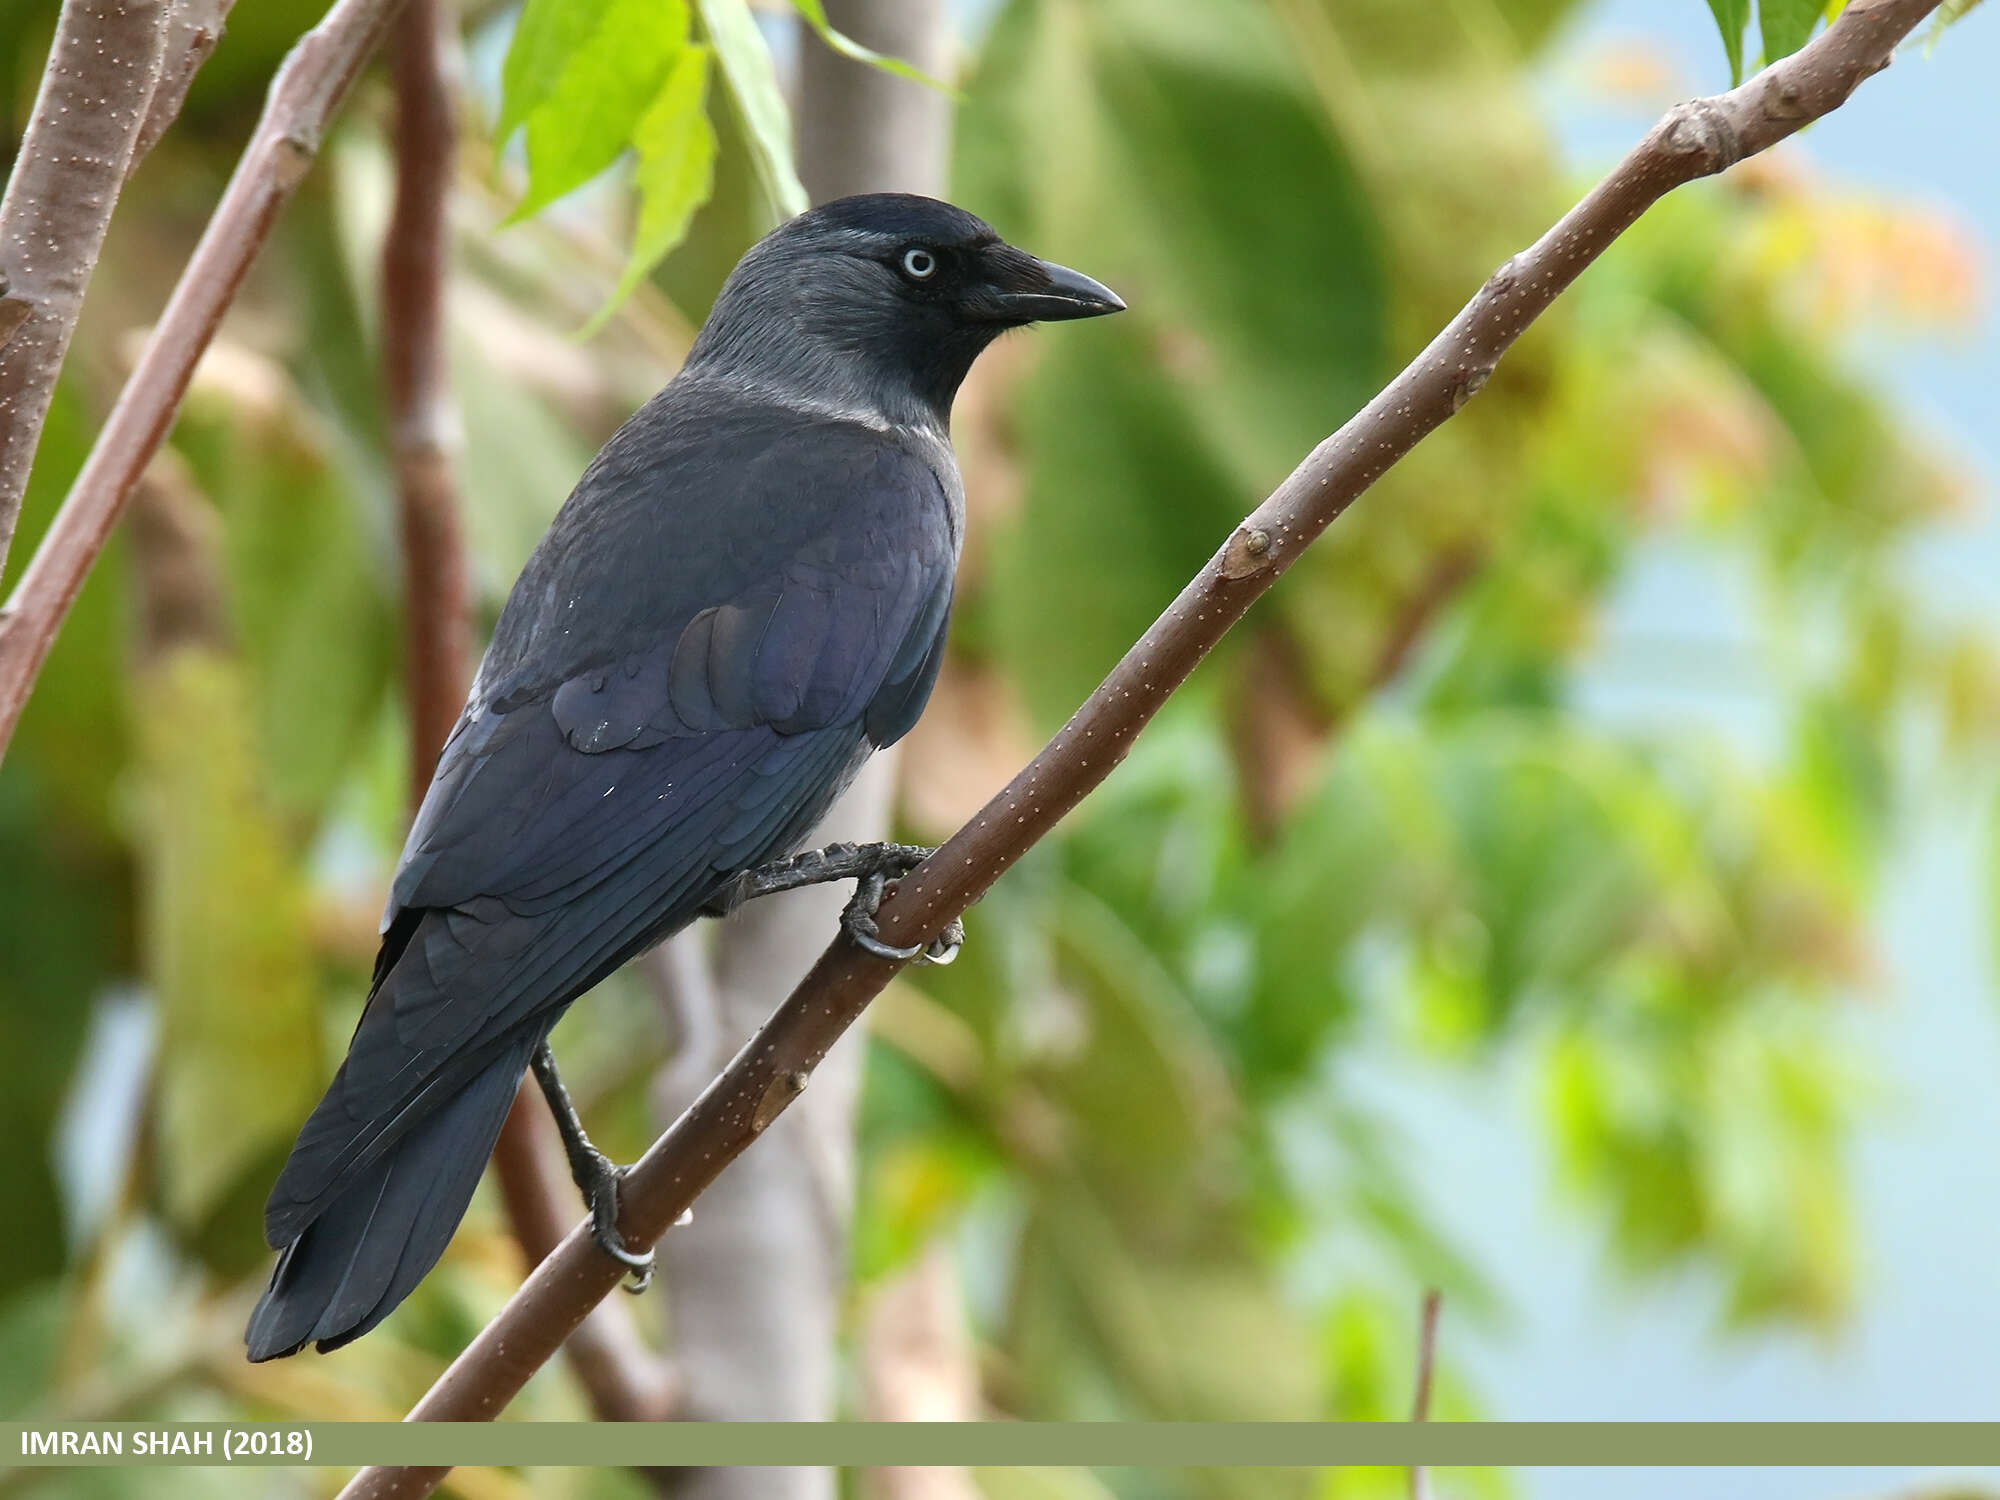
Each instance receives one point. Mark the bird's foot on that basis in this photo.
(874, 866)
(817, 867)
(602, 1192)
(858, 921)
(593, 1173)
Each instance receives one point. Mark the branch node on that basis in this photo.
(1785, 100)
(1700, 129)
(1249, 551)
(14, 311)
(778, 1093)
(292, 157)
(1469, 382)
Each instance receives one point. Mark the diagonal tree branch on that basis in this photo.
(80, 141)
(1692, 141)
(625, 1380)
(310, 84)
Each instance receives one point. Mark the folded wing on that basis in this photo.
(575, 820)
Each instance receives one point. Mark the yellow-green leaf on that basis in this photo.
(1786, 24)
(229, 950)
(676, 147)
(814, 14)
(753, 82)
(582, 84)
(1731, 17)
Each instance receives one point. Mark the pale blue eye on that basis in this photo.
(918, 263)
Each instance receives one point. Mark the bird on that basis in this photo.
(744, 597)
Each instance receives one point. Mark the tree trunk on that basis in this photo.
(755, 1281)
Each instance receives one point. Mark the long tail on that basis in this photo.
(368, 1246)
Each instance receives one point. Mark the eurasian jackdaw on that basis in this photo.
(743, 598)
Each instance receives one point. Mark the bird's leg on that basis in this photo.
(818, 867)
(873, 866)
(595, 1176)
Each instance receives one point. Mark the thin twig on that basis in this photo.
(93, 98)
(1692, 141)
(310, 84)
(1420, 1408)
(423, 422)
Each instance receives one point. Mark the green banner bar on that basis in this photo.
(1002, 1444)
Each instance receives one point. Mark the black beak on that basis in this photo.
(1039, 291)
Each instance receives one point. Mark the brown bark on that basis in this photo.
(88, 112)
(423, 422)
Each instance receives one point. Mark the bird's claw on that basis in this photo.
(858, 921)
(604, 1229)
(943, 949)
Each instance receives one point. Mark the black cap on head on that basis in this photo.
(887, 296)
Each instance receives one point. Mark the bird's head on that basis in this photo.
(882, 301)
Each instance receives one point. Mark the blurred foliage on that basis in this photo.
(1390, 827)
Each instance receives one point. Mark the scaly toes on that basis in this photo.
(862, 933)
(604, 1229)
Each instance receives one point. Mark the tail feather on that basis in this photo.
(370, 1245)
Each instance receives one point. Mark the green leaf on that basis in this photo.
(1535, 22)
(1193, 150)
(65, 878)
(1123, 505)
(753, 83)
(229, 938)
(544, 39)
(1948, 14)
(676, 147)
(814, 14)
(582, 83)
(305, 593)
(1786, 24)
(1272, 359)
(1731, 17)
